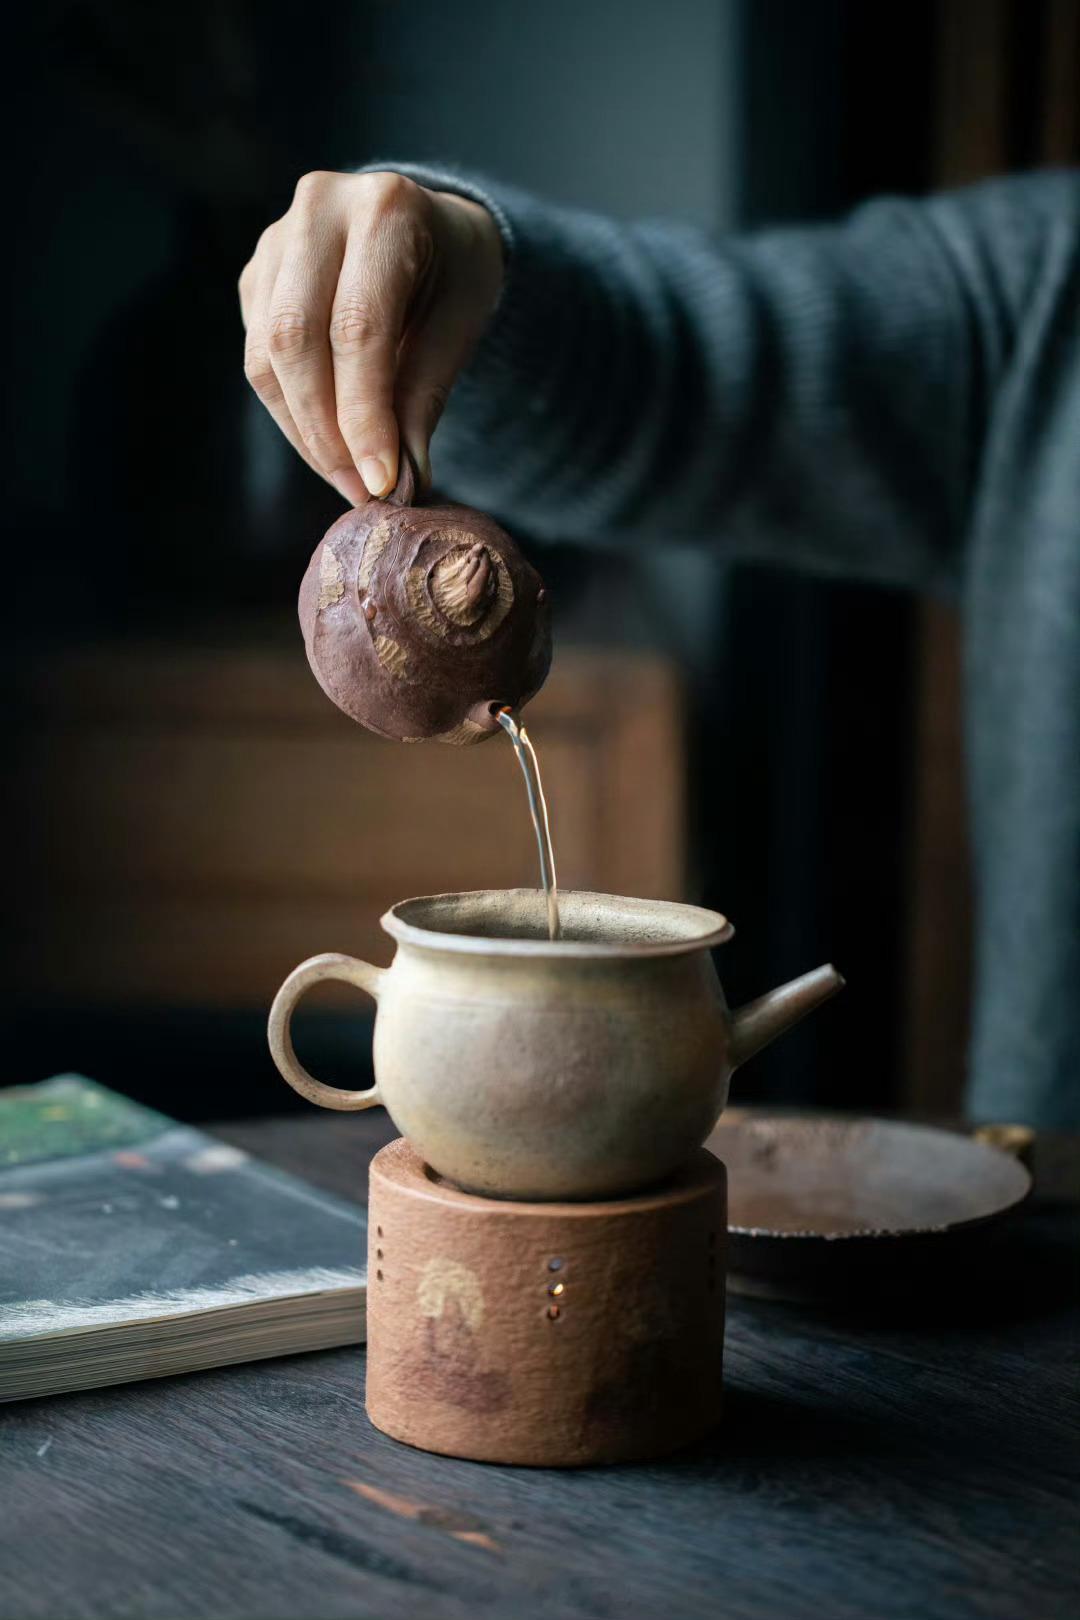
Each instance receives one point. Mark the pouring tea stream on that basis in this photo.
(529, 1045)
(538, 810)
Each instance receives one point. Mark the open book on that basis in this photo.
(132, 1247)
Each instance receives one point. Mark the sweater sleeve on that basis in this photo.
(818, 396)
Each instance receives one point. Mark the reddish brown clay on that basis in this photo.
(544, 1334)
(833, 1206)
(421, 621)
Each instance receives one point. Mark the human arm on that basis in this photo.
(821, 396)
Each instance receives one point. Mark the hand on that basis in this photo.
(361, 305)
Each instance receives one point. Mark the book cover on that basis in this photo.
(131, 1246)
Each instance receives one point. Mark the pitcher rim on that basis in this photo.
(712, 928)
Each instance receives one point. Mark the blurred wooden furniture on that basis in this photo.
(189, 822)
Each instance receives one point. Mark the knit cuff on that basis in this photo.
(544, 250)
(461, 185)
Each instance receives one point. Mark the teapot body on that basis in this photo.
(552, 1078)
(524, 1067)
(421, 621)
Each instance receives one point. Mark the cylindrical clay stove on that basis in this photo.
(544, 1334)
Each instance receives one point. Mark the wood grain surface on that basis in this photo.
(896, 1465)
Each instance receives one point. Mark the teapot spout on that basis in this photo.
(486, 715)
(761, 1021)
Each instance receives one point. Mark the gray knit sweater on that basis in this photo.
(895, 398)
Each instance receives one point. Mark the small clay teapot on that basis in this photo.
(423, 621)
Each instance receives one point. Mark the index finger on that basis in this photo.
(296, 340)
(384, 266)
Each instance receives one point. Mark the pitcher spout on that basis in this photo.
(761, 1021)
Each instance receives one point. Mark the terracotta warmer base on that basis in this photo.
(545, 1334)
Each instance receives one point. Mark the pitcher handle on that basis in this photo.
(331, 965)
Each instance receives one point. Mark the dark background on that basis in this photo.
(149, 495)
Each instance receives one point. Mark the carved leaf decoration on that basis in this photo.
(393, 658)
(331, 579)
(374, 546)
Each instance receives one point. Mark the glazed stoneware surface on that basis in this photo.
(522, 1067)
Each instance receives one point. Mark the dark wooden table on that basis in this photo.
(875, 1465)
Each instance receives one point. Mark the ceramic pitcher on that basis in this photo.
(521, 1067)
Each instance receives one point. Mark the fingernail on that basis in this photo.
(349, 484)
(376, 475)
